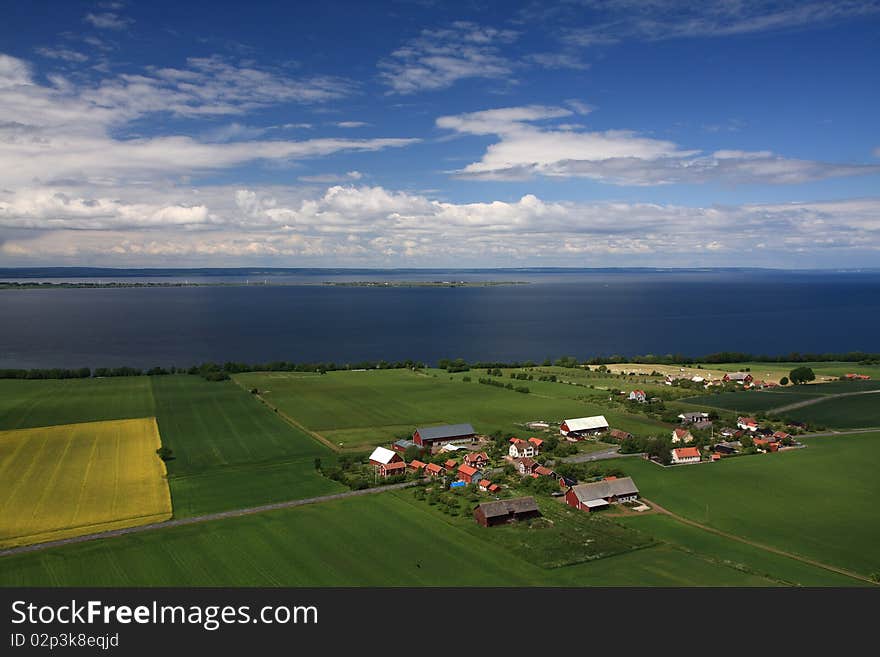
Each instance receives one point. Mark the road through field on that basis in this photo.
(817, 400)
(766, 548)
(203, 518)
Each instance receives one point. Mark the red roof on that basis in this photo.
(467, 470)
(537, 442)
(434, 468)
(611, 478)
(397, 465)
(686, 452)
(451, 463)
(516, 440)
(638, 392)
(544, 472)
(493, 487)
(416, 464)
(485, 483)
(681, 433)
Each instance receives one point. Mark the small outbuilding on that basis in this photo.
(489, 514)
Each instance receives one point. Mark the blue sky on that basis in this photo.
(415, 133)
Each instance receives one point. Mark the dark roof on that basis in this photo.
(445, 431)
(404, 443)
(507, 507)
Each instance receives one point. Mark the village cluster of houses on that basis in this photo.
(745, 379)
(764, 438)
(521, 453)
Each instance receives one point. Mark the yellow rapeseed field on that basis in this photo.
(74, 479)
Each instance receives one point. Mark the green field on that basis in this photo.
(44, 402)
(841, 412)
(746, 558)
(819, 502)
(382, 540)
(372, 407)
(230, 450)
(830, 409)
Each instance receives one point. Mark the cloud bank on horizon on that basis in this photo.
(579, 134)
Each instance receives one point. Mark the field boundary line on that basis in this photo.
(760, 546)
(817, 400)
(289, 420)
(208, 517)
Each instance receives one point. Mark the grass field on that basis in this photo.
(69, 480)
(855, 410)
(359, 409)
(820, 502)
(230, 450)
(383, 540)
(841, 413)
(745, 558)
(45, 402)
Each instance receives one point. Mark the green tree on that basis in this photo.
(802, 375)
(783, 381)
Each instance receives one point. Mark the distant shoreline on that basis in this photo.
(16, 285)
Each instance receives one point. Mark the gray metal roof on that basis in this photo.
(445, 431)
(605, 489)
(506, 507)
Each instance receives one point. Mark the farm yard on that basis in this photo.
(69, 480)
(268, 437)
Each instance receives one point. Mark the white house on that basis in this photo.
(520, 449)
(638, 396)
(680, 435)
(685, 455)
(747, 423)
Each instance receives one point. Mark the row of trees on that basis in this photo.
(209, 370)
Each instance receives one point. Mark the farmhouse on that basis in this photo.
(468, 474)
(638, 396)
(521, 449)
(742, 378)
(489, 514)
(526, 466)
(442, 435)
(434, 470)
(685, 455)
(386, 462)
(477, 460)
(592, 497)
(693, 417)
(583, 426)
(619, 434)
(416, 466)
(747, 423)
(682, 436)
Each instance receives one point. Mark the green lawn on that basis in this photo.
(46, 402)
(366, 408)
(819, 502)
(775, 371)
(380, 540)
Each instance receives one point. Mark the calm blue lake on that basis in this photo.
(580, 313)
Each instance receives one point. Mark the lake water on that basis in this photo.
(581, 313)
